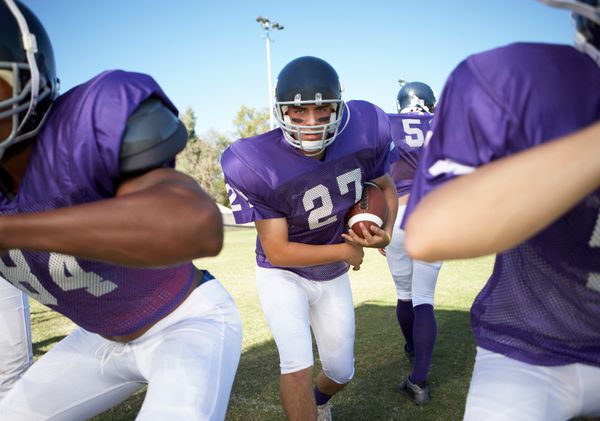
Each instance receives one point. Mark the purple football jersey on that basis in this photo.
(542, 303)
(408, 134)
(267, 178)
(75, 160)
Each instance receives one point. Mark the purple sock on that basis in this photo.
(321, 397)
(425, 331)
(405, 315)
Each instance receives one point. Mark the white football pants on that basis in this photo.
(504, 389)
(15, 336)
(415, 279)
(293, 304)
(188, 359)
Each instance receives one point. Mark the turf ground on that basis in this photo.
(380, 363)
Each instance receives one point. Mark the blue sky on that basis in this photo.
(210, 55)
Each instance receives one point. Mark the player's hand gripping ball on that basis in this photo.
(371, 209)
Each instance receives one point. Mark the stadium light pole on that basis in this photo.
(269, 26)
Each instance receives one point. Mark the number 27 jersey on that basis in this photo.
(267, 178)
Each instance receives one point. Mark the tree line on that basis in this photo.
(201, 157)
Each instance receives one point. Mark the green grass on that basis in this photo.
(380, 363)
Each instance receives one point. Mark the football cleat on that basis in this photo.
(418, 394)
(324, 412)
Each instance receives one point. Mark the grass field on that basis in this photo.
(380, 363)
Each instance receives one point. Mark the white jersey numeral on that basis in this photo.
(67, 273)
(317, 214)
(414, 135)
(321, 216)
(351, 177)
(593, 280)
(233, 195)
(21, 274)
(595, 239)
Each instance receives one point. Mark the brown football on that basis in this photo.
(371, 209)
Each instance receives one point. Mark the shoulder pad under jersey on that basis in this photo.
(154, 135)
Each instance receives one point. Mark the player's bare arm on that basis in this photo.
(273, 234)
(378, 237)
(160, 218)
(559, 174)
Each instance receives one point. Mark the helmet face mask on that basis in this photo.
(309, 83)
(415, 97)
(586, 18)
(28, 69)
(301, 135)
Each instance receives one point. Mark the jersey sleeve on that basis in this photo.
(248, 193)
(470, 129)
(96, 144)
(384, 149)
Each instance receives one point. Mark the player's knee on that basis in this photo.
(302, 375)
(292, 366)
(420, 299)
(403, 288)
(340, 374)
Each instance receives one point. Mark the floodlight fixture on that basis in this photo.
(268, 26)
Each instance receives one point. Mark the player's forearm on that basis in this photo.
(502, 204)
(391, 199)
(386, 183)
(303, 255)
(164, 225)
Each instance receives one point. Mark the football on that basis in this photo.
(371, 209)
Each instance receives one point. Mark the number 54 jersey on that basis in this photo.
(267, 178)
(409, 133)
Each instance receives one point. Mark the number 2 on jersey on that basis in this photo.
(322, 215)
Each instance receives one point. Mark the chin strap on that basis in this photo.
(30, 46)
(586, 48)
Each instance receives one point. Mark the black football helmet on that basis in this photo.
(27, 65)
(304, 81)
(415, 97)
(586, 16)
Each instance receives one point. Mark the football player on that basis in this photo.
(15, 336)
(297, 183)
(98, 226)
(537, 320)
(415, 280)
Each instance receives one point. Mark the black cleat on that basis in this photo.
(418, 394)
(410, 356)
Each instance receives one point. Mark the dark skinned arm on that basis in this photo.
(160, 218)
